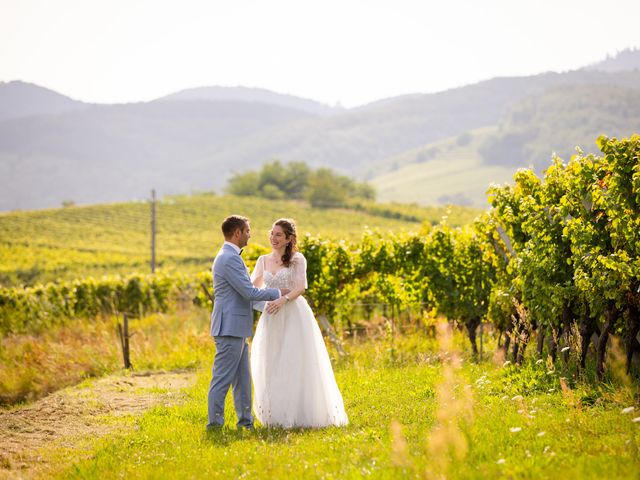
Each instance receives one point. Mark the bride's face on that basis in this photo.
(278, 238)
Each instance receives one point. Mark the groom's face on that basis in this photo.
(245, 235)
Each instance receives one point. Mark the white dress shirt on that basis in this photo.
(235, 247)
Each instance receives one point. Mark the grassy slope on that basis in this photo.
(449, 173)
(67, 243)
(531, 129)
(590, 440)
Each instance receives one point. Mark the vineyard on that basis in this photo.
(548, 279)
(556, 257)
(92, 241)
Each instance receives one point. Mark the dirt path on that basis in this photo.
(69, 416)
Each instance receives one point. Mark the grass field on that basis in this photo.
(67, 243)
(441, 173)
(418, 408)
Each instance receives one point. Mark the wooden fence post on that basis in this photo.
(153, 231)
(124, 341)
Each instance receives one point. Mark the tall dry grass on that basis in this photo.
(446, 443)
(32, 366)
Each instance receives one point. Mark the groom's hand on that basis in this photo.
(275, 305)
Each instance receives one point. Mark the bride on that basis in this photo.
(292, 375)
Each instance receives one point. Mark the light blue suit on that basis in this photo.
(231, 324)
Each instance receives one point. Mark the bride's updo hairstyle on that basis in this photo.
(289, 228)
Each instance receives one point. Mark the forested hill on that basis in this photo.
(20, 99)
(196, 139)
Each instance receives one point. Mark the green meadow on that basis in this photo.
(420, 404)
(419, 407)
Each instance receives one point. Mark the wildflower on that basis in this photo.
(508, 362)
(539, 361)
(501, 461)
(628, 409)
(515, 429)
(542, 433)
(505, 397)
(636, 420)
(551, 390)
(565, 349)
(517, 397)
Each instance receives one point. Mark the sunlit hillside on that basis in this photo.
(67, 243)
(451, 171)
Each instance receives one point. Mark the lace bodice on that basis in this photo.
(283, 278)
(294, 277)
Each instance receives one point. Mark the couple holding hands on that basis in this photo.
(292, 375)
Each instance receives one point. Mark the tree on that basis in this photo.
(245, 184)
(326, 190)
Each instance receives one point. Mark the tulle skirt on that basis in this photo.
(294, 384)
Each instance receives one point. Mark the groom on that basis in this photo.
(232, 323)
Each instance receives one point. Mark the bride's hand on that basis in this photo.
(275, 305)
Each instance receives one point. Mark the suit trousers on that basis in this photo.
(230, 368)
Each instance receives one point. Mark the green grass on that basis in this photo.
(447, 173)
(581, 440)
(67, 243)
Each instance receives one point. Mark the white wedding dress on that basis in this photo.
(293, 380)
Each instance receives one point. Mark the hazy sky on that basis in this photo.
(351, 51)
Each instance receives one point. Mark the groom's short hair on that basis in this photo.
(233, 223)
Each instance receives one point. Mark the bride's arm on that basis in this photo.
(258, 273)
(299, 265)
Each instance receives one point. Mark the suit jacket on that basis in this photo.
(233, 293)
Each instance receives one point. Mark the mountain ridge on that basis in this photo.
(181, 142)
(22, 99)
(252, 94)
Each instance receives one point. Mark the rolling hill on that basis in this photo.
(20, 99)
(254, 95)
(559, 120)
(106, 153)
(460, 169)
(73, 242)
(195, 139)
(447, 172)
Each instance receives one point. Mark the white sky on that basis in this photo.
(351, 51)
